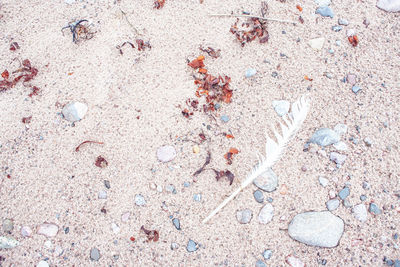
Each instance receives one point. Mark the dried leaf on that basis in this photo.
(14, 46)
(208, 159)
(158, 4)
(152, 235)
(27, 119)
(5, 74)
(211, 52)
(196, 63)
(101, 162)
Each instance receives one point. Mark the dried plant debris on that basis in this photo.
(27, 119)
(250, 30)
(211, 52)
(14, 46)
(229, 156)
(101, 162)
(228, 174)
(141, 45)
(25, 73)
(208, 159)
(152, 235)
(158, 4)
(353, 40)
(87, 142)
(80, 29)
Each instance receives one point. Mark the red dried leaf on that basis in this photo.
(101, 162)
(14, 46)
(27, 119)
(196, 63)
(159, 4)
(353, 40)
(152, 235)
(35, 91)
(233, 150)
(5, 74)
(26, 63)
(211, 52)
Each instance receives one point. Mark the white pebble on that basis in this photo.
(115, 228)
(317, 43)
(74, 111)
(26, 231)
(48, 229)
(266, 214)
(166, 153)
(102, 195)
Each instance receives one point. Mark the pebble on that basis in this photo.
(338, 42)
(355, 89)
(322, 229)
(389, 5)
(186, 184)
(176, 223)
(174, 246)
(197, 197)
(26, 231)
(196, 149)
(351, 79)
(266, 214)
(42, 264)
(340, 146)
(363, 197)
(267, 181)
(8, 242)
(281, 107)
(332, 204)
(159, 188)
(373, 208)
(337, 158)
(260, 263)
(125, 216)
(368, 141)
(323, 2)
(345, 192)
(337, 28)
(74, 111)
(94, 254)
(366, 185)
(191, 246)
(325, 11)
(224, 118)
(139, 200)
(323, 181)
(107, 184)
(360, 212)
(250, 72)
(8, 225)
(294, 261)
(258, 196)
(317, 43)
(267, 254)
(102, 195)
(325, 137)
(115, 228)
(48, 229)
(170, 188)
(244, 216)
(166, 153)
(342, 21)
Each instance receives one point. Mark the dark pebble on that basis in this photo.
(107, 184)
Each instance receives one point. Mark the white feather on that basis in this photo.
(273, 150)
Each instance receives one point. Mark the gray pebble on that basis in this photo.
(186, 184)
(8, 242)
(267, 181)
(323, 181)
(325, 11)
(363, 197)
(337, 158)
(347, 203)
(250, 72)
(322, 229)
(176, 223)
(139, 200)
(102, 195)
(166, 153)
(356, 89)
(8, 225)
(368, 141)
(174, 246)
(338, 43)
(260, 263)
(191, 246)
(107, 184)
(94, 254)
(337, 28)
(366, 185)
(332, 204)
(360, 212)
(267, 254)
(270, 199)
(281, 107)
(266, 214)
(343, 21)
(224, 118)
(373, 208)
(170, 188)
(244, 216)
(325, 137)
(258, 196)
(345, 192)
(197, 197)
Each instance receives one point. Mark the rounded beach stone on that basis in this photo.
(244, 216)
(267, 181)
(313, 228)
(266, 214)
(74, 111)
(166, 153)
(48, 229)
(325, 137)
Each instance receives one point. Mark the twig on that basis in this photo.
(130, 24)
(251, 16)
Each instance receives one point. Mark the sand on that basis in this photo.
(50, 182)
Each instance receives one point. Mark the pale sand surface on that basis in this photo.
(50, 182)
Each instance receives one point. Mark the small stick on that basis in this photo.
(130, 24)
(251, 16)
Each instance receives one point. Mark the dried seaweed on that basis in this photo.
(80, 29)
(208, 159)
(87, 142)
(25, 73)
(228, 174)
(152, 235)
(158, 4)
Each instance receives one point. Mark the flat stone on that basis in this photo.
(374, 209)
(355, 89)
(74, 111)
(8, 225)
(323, 181)
(317, 43)
(197, 197)
(325, 11)
(337, 28)
(244, 216)
(360, 212)
(267, 181)
(321, 229)
(344, 193)
(166, 153)
(8, 242)
(258, 196)
(139, 200)
(337, 158)
(325, 137)
(332, 204)
(174, 246)
(26, 231)
(267, 254)
(176, 223)
(48, 229)
(342, 21)
(191, 246)
(266, 214)
(340, 146)
(94, 254)
(389, 5)
(281, 107)
(102, 195)
(224, 118)
(250, 72)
